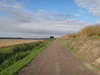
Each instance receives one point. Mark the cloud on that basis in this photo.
(11, 4)
(55, 14)
(42, 23)
(92, 5)
(48, 27)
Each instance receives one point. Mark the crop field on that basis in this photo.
(9, 42)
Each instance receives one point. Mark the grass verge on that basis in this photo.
(94, 65)
(10, 55)
(74, 51)
(13, 69)
(98, 68)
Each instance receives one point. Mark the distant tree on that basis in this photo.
(51, 37)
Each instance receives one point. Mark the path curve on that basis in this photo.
(56, 60)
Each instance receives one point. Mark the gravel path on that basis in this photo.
(56, 60)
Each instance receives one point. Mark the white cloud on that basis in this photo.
(92, 5)
(40, 23)
(11, 4)
(46, 27)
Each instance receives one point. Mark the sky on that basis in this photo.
(45, 18)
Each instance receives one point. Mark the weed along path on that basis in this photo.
(56, 60)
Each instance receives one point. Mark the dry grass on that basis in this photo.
(88, 31)
(9, 42)
(69, 35)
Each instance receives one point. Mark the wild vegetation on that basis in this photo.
(88, 31)
(13, 58)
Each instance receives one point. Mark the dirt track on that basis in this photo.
(56, 60)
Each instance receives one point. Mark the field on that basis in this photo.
(9, 42)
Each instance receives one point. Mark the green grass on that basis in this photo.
(15, 63)
(10, 55)
(93, 37)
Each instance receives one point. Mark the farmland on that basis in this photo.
(9, 42)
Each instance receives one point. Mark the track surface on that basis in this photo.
(56, 60)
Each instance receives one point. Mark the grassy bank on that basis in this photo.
(19, 56)
(87, 49)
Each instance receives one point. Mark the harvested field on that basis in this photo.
(9, 42)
